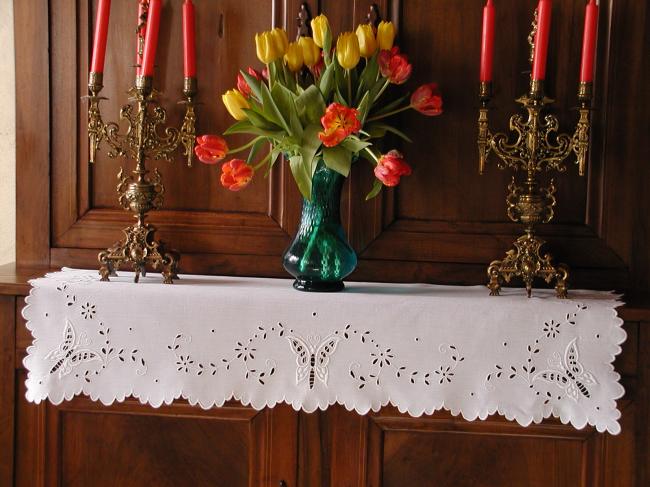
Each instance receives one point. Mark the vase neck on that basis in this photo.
(325, 193)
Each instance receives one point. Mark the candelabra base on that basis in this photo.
(141, 250)
(525, 262)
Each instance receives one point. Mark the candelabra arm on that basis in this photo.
(188, 129)
(580, 140)
(484, 136)
(484, 139)
(96, 127)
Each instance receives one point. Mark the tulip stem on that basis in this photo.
(262, 162)
(381, 92)
(245, 146)
(372, 154)
(389, 114)
(349, 76)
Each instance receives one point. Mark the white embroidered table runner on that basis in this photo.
(418, 347)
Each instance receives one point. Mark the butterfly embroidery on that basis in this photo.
(312, 357)
(569, 374)
(67, 355)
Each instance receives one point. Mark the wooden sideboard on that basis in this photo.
(443, 225)
(82, 443)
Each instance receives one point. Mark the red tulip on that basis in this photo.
(317, 69)
(339, 121)
(210, 149)
(242, 84)
(391, 167)
(427, 100)
(394, 66)
(236, 174)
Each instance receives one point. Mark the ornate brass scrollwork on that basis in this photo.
(146, 136)
(534, 145)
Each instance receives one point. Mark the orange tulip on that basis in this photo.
(236, 174)
(339, 121)
(210, 149)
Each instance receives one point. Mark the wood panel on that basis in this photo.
(389, 448)
(139, 445)
(7, 396)
(431, 219)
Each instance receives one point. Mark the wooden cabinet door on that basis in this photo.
(340, 448)
(84, 443)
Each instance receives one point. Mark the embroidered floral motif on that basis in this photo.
(380, 359)
(184, 363)
(552, 329)
(445, 374)
(244, 352)
(88, 311)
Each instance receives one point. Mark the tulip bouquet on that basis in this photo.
(316, 103)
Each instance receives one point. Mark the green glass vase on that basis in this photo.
(320, 256)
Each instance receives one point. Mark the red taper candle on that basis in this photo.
(487, 42)
(141, 29)
(151, 37)
(541, 39)
(589, 42)
(189, 40)
(101, 34)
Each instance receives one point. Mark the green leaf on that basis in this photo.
(254, 83)
(368, 75)
(310, 105)
(326, 83)
(310, 145)
(338, 159)
(284, 100)
(259, 121)
(354, 144)
(376, 189)
(261, 142)
(289, 78)
(246, 127)
(271, 110)
(327, 44)
(379, 130)
(302, 177)
(364, 107)
(339, 98)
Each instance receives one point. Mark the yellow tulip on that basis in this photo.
(347, 50)
(280, 39)
(267, 49)
(367, 41)
(235, 102)
(310, 51)
(385, 35)
(320, 26)
(294, 57)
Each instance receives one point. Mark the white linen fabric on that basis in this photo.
(419, 347)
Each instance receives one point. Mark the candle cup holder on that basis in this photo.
(146, 137)
(537, 147)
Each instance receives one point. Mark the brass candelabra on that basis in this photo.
(146, 137)
(536, 146)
